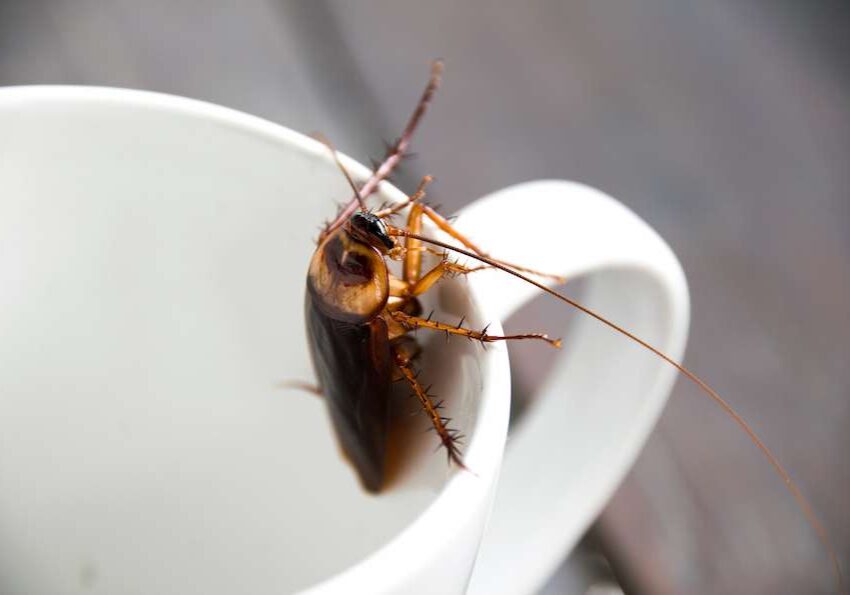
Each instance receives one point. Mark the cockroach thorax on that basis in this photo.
(348, 277)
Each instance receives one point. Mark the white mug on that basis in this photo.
(153, 252)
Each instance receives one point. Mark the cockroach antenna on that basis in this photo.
(397, 152)
(324, 140)
(802, 503)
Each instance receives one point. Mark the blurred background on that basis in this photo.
(725, 124)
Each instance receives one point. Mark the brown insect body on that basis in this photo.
(355, 342)
(347, 287)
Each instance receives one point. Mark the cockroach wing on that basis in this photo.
(354, 370)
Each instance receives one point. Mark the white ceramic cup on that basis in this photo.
(153, 252)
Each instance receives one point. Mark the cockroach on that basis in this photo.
(360, 317)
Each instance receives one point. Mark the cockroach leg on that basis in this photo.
(444, 225)
(410, 306)
(305, 386)
(413, 255)
(449, 438)
(399, 288)
(416, 196)
(444, 268)
(426, 281)
(396, 152)
(414, 322)
(412, 268)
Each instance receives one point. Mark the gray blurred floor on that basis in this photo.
(724, 124)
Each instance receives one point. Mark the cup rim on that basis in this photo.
(464, 492)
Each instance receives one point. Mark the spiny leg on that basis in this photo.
(444, 268)
(412, 267)
(413, 248)
(449, 438)
(443, 224)
(415, 322)
(413, 258)
(423, 282)
(412, 255)
(403, 295)
(395, 154)
(416, 196)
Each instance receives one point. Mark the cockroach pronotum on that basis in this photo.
(360, 317)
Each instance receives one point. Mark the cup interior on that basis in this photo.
(153, 253)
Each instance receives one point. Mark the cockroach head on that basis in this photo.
(369, 229)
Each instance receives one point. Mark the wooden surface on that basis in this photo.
(724, 124)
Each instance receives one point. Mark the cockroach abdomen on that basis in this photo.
(354, 370)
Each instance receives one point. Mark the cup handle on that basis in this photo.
(554, 483)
